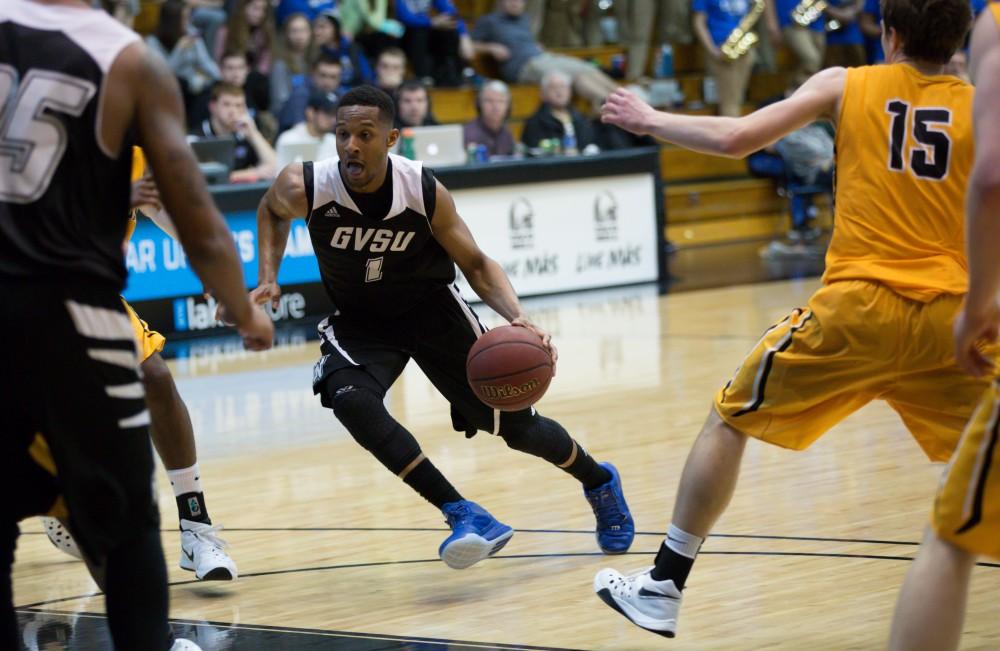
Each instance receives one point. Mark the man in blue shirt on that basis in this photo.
(436, 40)
(714, 21)
(807, 42)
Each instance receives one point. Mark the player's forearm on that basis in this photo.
(272, 237)
(983, 237)
(492, 285)
(721, 136)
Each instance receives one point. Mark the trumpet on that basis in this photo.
(741, 39)
(808, 11)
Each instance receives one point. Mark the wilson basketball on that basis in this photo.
(509, 368)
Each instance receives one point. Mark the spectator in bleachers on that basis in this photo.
(250, 29)
(208, 16)
(324, 77)
(327, 37)
(490, 127)
(316, 129)
(310, 8)
(845, 45)
(870, 22)
(254, 158)
(714, 21)
(235, 70)
(291, 60)
(367, 23)
(637, 20)
(556, 117)
(807, 42)
(413, 105)
(506, 35)
(390, 69)
(178, 42)
(562, 22)
(436, 40)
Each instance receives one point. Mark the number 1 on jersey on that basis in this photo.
(373, 270)
(930, 159)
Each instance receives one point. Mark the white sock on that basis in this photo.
(682, 542)
(185, 480)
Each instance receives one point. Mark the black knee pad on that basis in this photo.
(361, 411)
(536, 435)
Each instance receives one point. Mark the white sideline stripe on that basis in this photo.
(332, 338)
(123, 358)
(99, 322)
(970, 492)
(133, 390)
(478, 329)
(140, 419)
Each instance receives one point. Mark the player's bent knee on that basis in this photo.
(361, 411)
(536, 435)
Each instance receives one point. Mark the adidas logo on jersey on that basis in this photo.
(331, 212)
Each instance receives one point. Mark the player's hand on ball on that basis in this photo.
(545, 337)
(258, 332)
(266, 292)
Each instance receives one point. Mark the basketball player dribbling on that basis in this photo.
(75, 89)
(202, 551)
(965, 521)
(894, 281)
(387, 238)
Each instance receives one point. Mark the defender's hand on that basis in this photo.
(626, 110)
(973, 330)
(258, 331)
(545, 336)
(267, 292)
(145, 195)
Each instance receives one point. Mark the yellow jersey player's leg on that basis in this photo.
(202, 551)
(895, 278)
(965, 520)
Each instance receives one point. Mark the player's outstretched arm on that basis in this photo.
(485, 276)
(159, 119)
(980, 319)
(284, 201)
(816, 99)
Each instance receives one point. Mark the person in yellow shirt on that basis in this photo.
(895, 279)
(965, 521)
(202, 551)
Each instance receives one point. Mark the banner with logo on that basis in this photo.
(549, 237)
(566, 235)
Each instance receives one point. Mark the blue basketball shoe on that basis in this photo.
(615, 527)
(475, 535)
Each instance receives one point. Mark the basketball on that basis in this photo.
(509, 368)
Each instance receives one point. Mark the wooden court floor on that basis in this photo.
(336, 553)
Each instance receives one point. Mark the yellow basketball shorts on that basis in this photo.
(149, 341)
(855, 342)
(967, 507)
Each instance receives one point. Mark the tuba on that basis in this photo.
(741, 39)
(808, 11)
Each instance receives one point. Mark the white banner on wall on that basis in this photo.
(566, 235)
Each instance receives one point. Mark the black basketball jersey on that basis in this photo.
(63, 199)
(376, 265)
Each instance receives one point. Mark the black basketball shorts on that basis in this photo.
(76, 424)
(437, 335)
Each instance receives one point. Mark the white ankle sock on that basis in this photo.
(185, 480)
(682, 542)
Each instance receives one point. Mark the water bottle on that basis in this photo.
(406, 145)
(569, 145)
(666, 68)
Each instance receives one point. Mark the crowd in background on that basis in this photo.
(268, 72)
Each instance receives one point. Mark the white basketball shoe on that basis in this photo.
(180, 644)
(60, 537)
(652, 605)
(204, 553)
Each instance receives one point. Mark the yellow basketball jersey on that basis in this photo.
(138, 169)
(904, 153)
